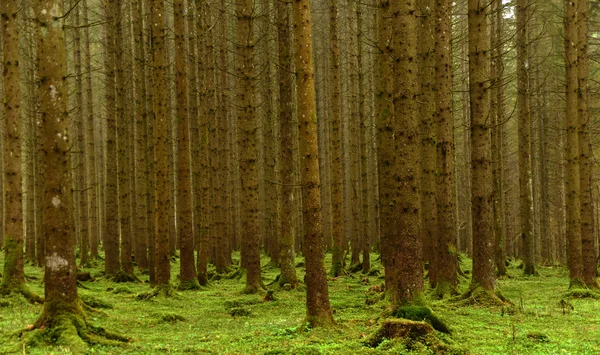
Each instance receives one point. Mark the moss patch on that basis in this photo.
(420, 313)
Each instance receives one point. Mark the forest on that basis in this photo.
(302, 177)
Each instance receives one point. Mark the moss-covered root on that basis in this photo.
(189, 285)
(443, 289)
(479, 296)
(161, 290)
(24, 291)
(421, 313)
(400, 328)
(123, 276)
(71, 331)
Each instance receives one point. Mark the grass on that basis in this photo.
(201, 322)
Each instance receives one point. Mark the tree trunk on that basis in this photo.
(184, 196)
(336, 144)
(446, 250)
(406, 259)
(572, 181)
(481, 179)
(524, 129)
(14, 276)
(585, 150)
(247, 138)
(318, 310)
(162, 144)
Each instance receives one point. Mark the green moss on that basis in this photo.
(582, 293)
(169, 317)
(420, 313)
(121, 290)
(95, 302)
(189, 285)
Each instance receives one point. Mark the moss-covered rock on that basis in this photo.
(169, 317)
(95, 302)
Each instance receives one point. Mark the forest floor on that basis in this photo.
(542, 321)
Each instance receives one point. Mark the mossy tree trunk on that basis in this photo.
(318, 309)
(60, 284)
(446, 250)
(14, 277)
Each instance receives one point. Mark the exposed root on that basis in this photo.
(478, 296)
(24, 291)
(122, 276)
(189, 285)
(95, 302)
(420, 313)
(72, 331)
(162, 290)
(270, 296)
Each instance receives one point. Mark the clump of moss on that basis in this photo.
(121, 289)
(239, 303)
(539, 337)
(169, 317)
(420, 313)
(5, 304)
(163, 290)
(582, 293)
(239, 312)
(95, 302)
(399, 328)
(188, 285)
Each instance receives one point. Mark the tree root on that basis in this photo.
(72, 331)
(189, 285)
(24, 291)
(478, 296)
(122, 276)
(161, 290)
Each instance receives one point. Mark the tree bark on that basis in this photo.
(318, 309)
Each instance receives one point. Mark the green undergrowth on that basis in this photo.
(221, 319)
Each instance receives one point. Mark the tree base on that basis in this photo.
(162, 290)
(189, 285)
(24, 291)
(479, 296)
(72, 331)
(445, 288)
(123, 276)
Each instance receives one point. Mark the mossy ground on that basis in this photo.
(537, 324)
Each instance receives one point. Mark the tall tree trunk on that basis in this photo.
(318, 309)
(590, 263)
(247, 138)
(184, 197)
(446, 250)
(426, 111)
(162, 144)
(288, 233)
(481, 183)
(407, 255)
(572, 181)
(111, 238)
(336, 143)
(497, 112)
(385, 141)
(524, 128)
(14, 276)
